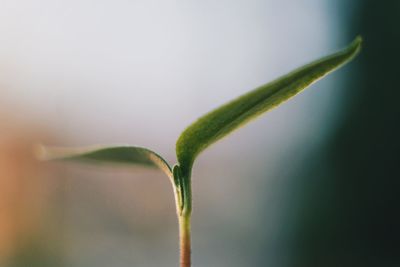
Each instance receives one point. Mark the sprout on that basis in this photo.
(205, 131)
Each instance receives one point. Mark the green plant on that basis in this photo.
(206, 131)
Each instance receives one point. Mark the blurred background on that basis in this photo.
(313, 183)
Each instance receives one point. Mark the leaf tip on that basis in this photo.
(40, 152)
(356, 45)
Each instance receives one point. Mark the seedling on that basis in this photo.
(206, 131)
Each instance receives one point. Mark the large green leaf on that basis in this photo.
(223, 120)
(131, 155)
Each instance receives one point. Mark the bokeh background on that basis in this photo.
(313, 183)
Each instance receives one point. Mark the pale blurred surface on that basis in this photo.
(137, 72)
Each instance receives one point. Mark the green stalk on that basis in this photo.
(183, 201)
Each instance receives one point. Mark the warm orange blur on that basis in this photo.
(23, 190)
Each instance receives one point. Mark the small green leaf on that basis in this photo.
(223, 120)
(116, 154)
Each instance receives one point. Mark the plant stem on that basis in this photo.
(184, 236)
(183, 200)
